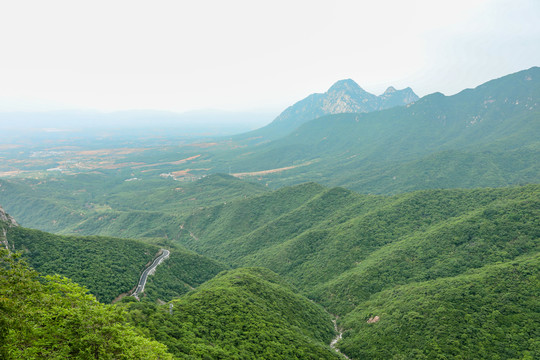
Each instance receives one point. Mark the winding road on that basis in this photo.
(148, 271)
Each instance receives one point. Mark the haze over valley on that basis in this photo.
(300, 186)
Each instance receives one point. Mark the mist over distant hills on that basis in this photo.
(207, 122)
(345, 96)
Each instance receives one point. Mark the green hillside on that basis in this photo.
(423, 240)
(110, 266)
(482, 137)
(332, 231)
(107, 266)
(216, 225)
(106, 204)
(240, 314)
(417, 260)
(181, 272)
(489, 313)
(486, 135)
(51, 317)
(345, 96)
(344, 249)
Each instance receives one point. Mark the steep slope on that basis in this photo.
(107, 266)
(180, 273)
(51, 317)
(361, 256)
(341, 247)
(217, 225)
(488, 313)
(345, 96)
(244, 313)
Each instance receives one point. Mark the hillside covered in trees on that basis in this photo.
(247, 313)
(416, 229)
(109, 267)
(52, 317)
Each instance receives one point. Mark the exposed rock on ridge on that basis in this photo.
(7, 218)
(345, 96)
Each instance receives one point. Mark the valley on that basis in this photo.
(353, 226)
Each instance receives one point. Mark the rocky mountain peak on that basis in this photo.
(346, 85)
(393, 97)
(344, 96)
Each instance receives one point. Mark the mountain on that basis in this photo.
(345, 96)
(314, 235)
(419, 261)
(487, 313)
(410, 264)
(6, 218)
(485, 136)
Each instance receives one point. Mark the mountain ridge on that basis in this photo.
(344, 96)
(492, 127)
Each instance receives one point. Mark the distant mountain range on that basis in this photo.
(345, 96)
(487, 136)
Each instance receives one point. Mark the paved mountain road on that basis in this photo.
(147, 271)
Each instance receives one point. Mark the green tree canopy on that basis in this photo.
(55, 318)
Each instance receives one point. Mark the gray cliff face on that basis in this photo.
(4, 217)
(392, 97)
(6, 222)
(345, 96)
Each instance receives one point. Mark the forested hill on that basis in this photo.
(485, 136)
(398, 270)
(51, 317)
(489, 313)
(248, 313)
(106, 204)
(108, 266)
(356, 254)
(427, 247)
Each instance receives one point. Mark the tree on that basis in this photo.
(55, 318)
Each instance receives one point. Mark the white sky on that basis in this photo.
(248, 55)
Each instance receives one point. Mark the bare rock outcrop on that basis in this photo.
(8, 219)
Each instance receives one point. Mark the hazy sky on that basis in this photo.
(245, 55)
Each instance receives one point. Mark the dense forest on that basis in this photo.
(52, 317)
(247, 313)
(105, 204)
(411, 232)
(344, 249)
(431, 256)
(110, 267)
(488, 313)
